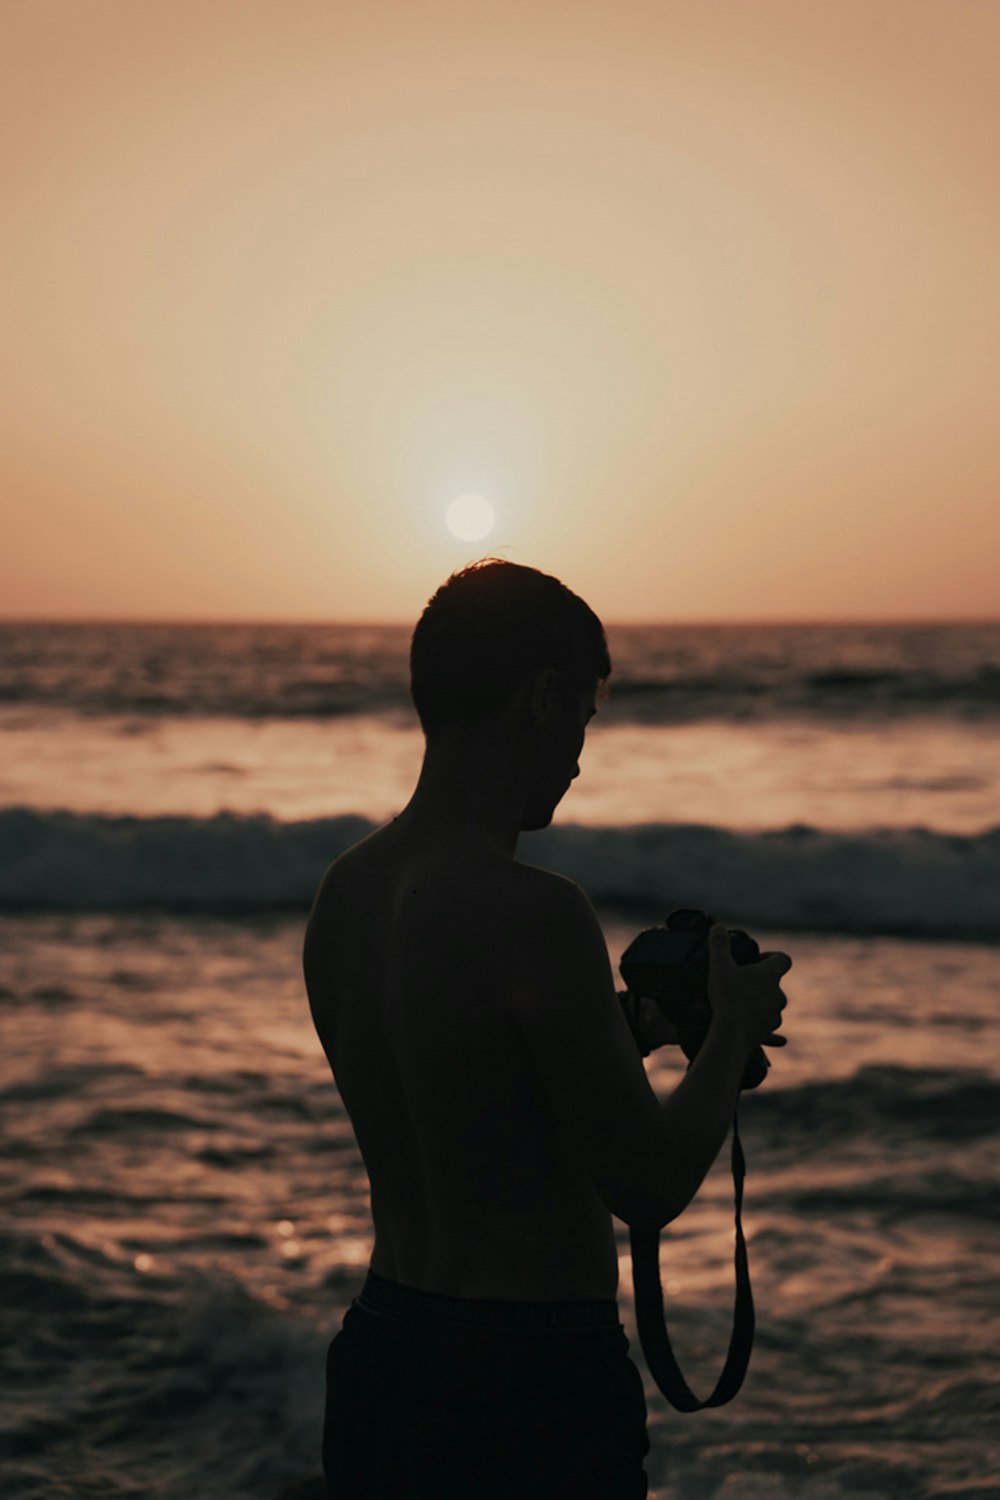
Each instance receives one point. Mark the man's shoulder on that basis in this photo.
(551, 924)
(556, 894)
(524, 893)
(342, 896)
(358, 864)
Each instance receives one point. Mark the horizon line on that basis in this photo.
(382, 623)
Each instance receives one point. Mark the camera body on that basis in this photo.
(669, 964)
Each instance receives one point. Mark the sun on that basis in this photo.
(470, 518)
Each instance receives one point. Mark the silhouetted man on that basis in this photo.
(466, 1005)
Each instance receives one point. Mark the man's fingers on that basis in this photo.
(720, 952)
(654, 1023)
(719, 947)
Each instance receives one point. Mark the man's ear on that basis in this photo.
(539, 694)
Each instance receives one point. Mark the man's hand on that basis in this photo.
(747, 997)
(649, 1025)
(654, 1028)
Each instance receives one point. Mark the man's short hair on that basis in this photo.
(489, 627)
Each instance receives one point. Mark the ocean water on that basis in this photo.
(185, 1212)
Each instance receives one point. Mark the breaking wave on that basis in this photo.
(912, 881)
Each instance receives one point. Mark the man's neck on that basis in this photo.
(467, 793)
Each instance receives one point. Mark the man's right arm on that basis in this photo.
(646, 1159)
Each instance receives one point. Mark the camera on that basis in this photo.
(669, 964)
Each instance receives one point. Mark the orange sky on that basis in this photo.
(703, 297)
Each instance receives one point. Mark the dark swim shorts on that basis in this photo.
(434, 1396)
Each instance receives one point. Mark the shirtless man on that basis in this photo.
(466, 1004)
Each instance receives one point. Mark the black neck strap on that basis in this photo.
(649, 1314)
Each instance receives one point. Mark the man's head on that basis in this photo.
(501, 644)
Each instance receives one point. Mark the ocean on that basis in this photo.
(186, 1214)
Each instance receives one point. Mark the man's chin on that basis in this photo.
(536, 818)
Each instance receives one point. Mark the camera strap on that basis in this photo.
(651, 1321)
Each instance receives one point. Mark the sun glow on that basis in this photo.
(470, 518)
(597, 282)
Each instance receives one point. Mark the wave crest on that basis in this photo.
(912, 882)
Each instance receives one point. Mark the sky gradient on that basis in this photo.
(703, 298)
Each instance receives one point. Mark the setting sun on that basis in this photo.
(470, 518)
(303, 306)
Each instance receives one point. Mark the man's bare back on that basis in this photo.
(467, 1007)
(413, 953)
